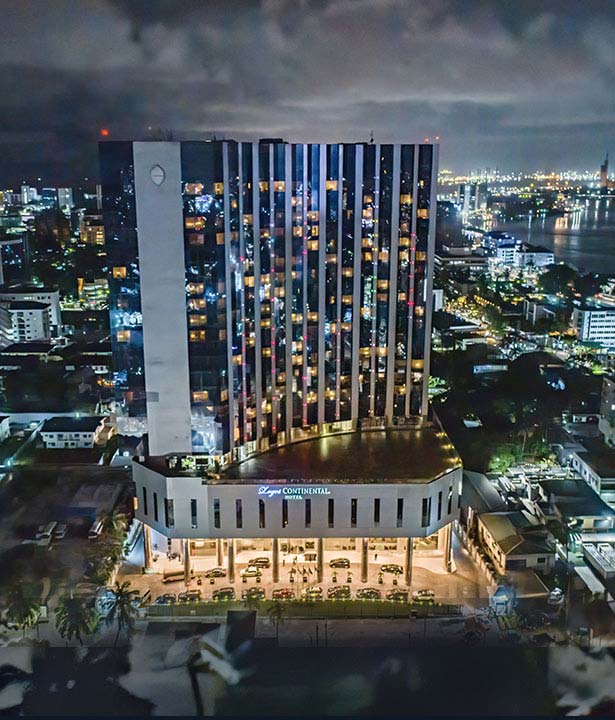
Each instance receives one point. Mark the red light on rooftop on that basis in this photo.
(104, 132)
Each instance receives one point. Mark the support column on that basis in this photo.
(448, 548)
(408, 568)
(219, 553)
(187, 564)
(363, 559)
(320, 545)
(275, 555)
(230, 546)
(147, 546)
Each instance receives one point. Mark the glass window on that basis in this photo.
(426, 513)
(193, 515)
(376, 511)
(450, 500)
(308, 513)
(169, 519)
(353, 512)
(216, 513)
(331, 512)
(440, 505)
(144, 501)
(261, 513)
(400, 512)
(238, 514)
(155, 507)
(284, 512)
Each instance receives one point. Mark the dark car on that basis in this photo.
(398, 595)
(215, 573)
(253, 594)
(392, 568)
(261, 562)
(225, 593)
(368, 594)
(283, 594)
(339, 563)
(339, 593)
(166, 599)
(189, 596)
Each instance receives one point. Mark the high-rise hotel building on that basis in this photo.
(261, 292)
(266, 293)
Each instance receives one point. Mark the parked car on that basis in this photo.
(398, 595)
(166, 599)
(423, 596)
(251, 571)
(283, 594)
(253, 593)
(368, 594)
(225, 593)
(312, 593)
(391, 568)
(339, 563)
(189, 596)
(60, 532)
(215, 573)
(262, 562)
(339, 593)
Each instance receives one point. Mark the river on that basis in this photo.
(584, 239)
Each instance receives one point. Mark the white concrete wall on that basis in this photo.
(183, 489)
(163, 296)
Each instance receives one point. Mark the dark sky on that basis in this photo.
(523, 84)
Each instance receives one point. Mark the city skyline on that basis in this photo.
(480, 79)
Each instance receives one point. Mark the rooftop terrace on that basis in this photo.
(376, 456)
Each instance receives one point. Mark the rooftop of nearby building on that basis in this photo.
(37, 347)
(507, 530)
(599, 457)
(480, 493)
(28, 305)
(374, 456)
(573, 497)
(19, 288)
(71, 424)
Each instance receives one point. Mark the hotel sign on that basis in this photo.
(293, 492)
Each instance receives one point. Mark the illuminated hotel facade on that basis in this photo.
(267, 293)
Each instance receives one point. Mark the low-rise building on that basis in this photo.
(514, 543)
(595, 463)
(17, 292)
(70, 432)
(29, 320)
(593, 321)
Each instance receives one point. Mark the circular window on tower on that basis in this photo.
(157, 174)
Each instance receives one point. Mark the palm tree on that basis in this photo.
(75, 617)
(123, 608)
(114, 524)
(23, 606)
(276, 612)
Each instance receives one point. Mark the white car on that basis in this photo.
(251, 571)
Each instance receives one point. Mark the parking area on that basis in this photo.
(298, 576)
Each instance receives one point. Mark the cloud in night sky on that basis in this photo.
(520, 85)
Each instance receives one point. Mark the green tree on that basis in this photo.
(75, 618)
(276, 612)
(23, 605)
(123, 608)
(114, 524)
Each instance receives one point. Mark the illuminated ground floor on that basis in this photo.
(429, 570)
(300, 560)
